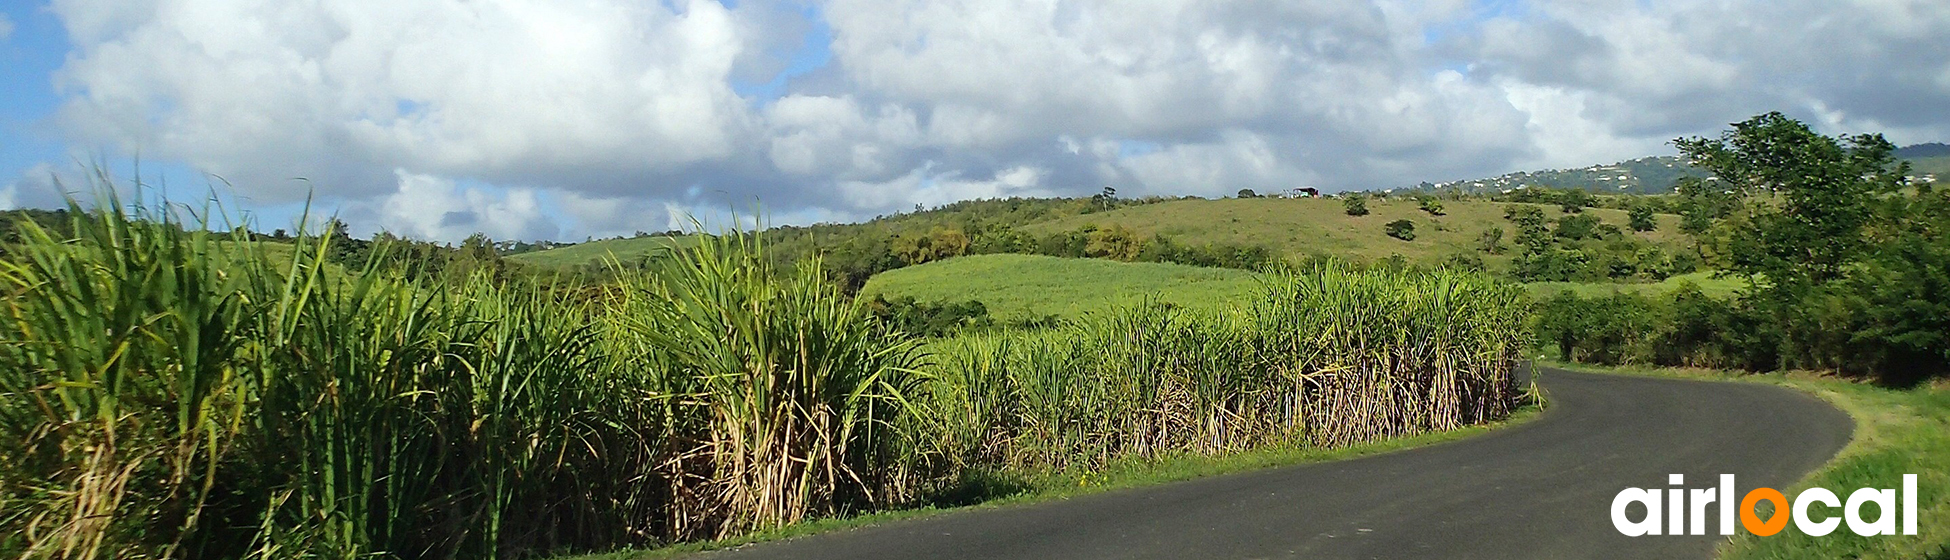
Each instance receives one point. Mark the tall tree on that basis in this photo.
(1811, 195)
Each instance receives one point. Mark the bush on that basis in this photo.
(1355, 204)
(1401, 229)
(1431, 205)
(1641, 218)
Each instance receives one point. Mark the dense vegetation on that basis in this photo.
(172, 392)
(1843, 259)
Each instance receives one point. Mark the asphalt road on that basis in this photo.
(1538, 490)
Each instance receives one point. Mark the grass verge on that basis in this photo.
(1897, 432)
(1119, 475)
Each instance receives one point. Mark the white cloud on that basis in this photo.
(344, 92)
(6, 27)
(598, 117)
(430, 207)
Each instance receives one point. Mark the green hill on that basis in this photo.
(1027, 286)
(1292, 227)
(1320, 226)
(625, 249)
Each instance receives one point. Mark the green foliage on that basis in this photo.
(1576, 226)
(1845, 270)
(1401, 229)
(1574, 200)
(167, 392)
(1641, 218)
(1817, 191)
(1491, 241)
(1582, 248)
(1430, 204)
(904, 314)
(1325, 358)
(1247, 193)
(1355, 204)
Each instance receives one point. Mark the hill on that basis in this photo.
(1925, 150)
(1317, 226)
(1646, 175)
(623, 249)
(1029, 286)
(1935, 168)
(1294, 228)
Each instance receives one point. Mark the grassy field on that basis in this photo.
(1024, 286)
(1897, 432)
(1299, 227)
(625, 250)
(1294, 227)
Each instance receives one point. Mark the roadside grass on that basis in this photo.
(1897, 432)
(1029, 286)
(1002, 489)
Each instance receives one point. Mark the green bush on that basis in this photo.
(1354, 204)
(1401, 229)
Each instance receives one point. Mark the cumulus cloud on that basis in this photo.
(429, 207)
(344, 92)
(596, 117)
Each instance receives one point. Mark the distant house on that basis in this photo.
(1302, 192)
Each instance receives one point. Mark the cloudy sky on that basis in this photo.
(562, 119)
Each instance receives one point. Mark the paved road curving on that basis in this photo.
(1539, 490)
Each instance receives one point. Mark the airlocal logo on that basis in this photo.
(1682, 505)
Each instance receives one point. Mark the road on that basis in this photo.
(1542, 489)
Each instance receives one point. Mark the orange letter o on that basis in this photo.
(1752, 522)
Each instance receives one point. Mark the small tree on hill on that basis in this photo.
(1401, 229)
(1355, 204)
(1248, 193)
(1491, 241)
(1573, 200)
(1431, 205)
(1641, 219)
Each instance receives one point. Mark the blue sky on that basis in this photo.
(534, 119)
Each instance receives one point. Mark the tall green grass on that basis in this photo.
(1326, 358)
(168, 392)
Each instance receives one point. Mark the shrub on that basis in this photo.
(1641, 218)
(1401, 229)
(1355, 204)
(1431, 205)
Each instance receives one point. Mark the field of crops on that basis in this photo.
(1022, 286)
(166, 392)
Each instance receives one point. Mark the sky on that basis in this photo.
(569, 119)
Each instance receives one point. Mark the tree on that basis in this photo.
(1812, 195)
(1573, 201)
(1401, 229)
(1491, 241)
(1114, 242)
(1640, 218)
(1356, 205)
(1577, 226)
(1248, 193)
